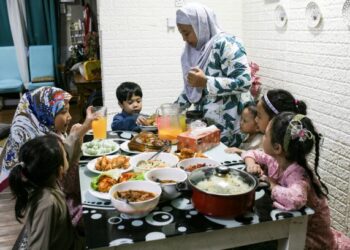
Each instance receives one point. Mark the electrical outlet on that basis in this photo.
(179, 3)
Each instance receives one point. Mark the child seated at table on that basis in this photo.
(39, 199)
(248, 126)
(289, 138)
(129, 95)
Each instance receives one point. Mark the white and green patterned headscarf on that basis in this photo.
(203, 21)
(35, 116)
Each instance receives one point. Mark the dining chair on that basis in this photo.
(41, 66)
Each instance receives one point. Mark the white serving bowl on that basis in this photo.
(136, 209)
(169, 159)
(186, 163)
(169, 191)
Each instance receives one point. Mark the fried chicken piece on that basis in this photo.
(105, 183)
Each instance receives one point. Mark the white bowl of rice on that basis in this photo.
(141, 162)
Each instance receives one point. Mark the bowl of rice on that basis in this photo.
(143, 163)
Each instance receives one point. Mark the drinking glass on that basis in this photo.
(99, 126)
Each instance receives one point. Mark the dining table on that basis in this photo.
(176, 224)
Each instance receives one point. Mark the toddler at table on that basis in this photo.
(129, 95)
(39, 198)
(248, 126)
(289, 138)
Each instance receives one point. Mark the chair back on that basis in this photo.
(41, 61)
(8, 63)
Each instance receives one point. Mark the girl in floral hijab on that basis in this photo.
(35, 116)
(46, 111)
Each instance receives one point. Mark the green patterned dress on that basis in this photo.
(227, 91)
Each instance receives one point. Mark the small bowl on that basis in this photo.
(186, 163)
(136, 209)
(169, 190)
(169, 159)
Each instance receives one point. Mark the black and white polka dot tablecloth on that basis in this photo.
(106, 227)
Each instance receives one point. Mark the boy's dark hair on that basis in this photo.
(39, 162)
(298, 149)
(283, 100)
(126, 90)
(251, 106)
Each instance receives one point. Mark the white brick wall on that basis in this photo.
(313, 64)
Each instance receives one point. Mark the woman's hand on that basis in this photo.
(197, 78)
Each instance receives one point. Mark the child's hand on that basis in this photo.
(90, 116)
(272, 182)
(141, 120)
(234, 150)
(255, 169)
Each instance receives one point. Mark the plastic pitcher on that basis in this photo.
(168, 121)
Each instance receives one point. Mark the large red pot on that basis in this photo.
(222, 204)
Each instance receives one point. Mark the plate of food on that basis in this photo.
(100, 185)
(106, 163)
(99, 148)
(186, 153)
(143, 162)
(125, 147)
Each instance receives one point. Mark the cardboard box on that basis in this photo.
(199, 141)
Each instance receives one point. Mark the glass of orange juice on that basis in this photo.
(99, 126)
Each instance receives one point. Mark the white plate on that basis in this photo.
(91, 166)
(100, 195)
(124, 146)
(280, 16)
(313, 14)
(346, 12)
(127, 135)
(110, 142)
(149, 128)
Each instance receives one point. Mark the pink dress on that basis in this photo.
(294, 191)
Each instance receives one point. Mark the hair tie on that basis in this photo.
(321, 139)
(269, 104)
(20, 164)
(295, 130)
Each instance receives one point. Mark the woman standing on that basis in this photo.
(215, 70)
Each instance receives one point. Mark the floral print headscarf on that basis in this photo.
(35, 116)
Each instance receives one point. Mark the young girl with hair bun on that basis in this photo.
(274, 102)
(39, 198)
(289, 138)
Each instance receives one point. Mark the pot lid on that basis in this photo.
(222, 180)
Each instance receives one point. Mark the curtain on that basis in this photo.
(42, 29)
(16, 11)
(5, 31)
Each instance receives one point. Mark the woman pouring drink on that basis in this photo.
(215, 70)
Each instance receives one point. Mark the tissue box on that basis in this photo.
(201, 142)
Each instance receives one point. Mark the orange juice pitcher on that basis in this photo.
(168, 122)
